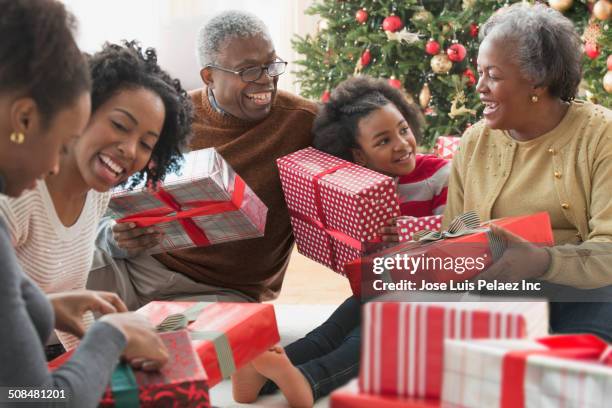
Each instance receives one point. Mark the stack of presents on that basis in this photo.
(414, 354)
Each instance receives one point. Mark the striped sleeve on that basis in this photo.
(423, 192)
(16, 213)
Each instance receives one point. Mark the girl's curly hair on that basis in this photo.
(118, 67)
(335, 128)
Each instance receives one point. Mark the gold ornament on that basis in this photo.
(607, 82)
(441, 64)
(424, 96)
(446, 28)
(561, 5)
(460, 110)
(422, 16)
(602, 10)
(17, 137)
(468, 4)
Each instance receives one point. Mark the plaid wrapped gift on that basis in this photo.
(350, 397)
(447, 146)
(336, 207)
(180, 383)
(465, 238)
(225, 336)
(407, 226)
(207, 204)
(403, 342)
(572, 371)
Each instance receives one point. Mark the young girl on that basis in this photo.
(140, 116)
(372, 124)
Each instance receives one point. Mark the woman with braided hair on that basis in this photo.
(370, 123)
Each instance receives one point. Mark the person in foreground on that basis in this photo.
(241, 113)
(538, 149)
(44, 102)
(368, 122)
(140, 115)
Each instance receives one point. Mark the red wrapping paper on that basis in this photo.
(206, 204)
(336, 207)
(407, 226)
(403, 343)
(350, 397)
(250, 329)
(182, 382)
(447, 146)
(534, 228)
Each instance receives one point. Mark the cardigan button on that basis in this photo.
(565, 206)
(551, 151)
(557, 174)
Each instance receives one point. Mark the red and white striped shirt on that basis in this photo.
(423, 191)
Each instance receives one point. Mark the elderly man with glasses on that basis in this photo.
(251, 123)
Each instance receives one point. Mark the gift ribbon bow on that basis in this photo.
(577, 347)
(184, 212)
(124, 387)
(223, 350)
(464, 224)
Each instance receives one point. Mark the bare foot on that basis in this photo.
(246, 384)
(275, 365)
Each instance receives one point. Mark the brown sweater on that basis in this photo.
(254, 266)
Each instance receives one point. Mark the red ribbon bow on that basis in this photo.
(575, 347)
(183, 213)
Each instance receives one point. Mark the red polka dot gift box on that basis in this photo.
(407, 226)
(336, 207)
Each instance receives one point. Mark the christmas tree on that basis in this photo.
(429, 48)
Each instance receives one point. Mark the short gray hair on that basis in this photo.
(547, 46)
(226, 25)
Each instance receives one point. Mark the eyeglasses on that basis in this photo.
(253, 74)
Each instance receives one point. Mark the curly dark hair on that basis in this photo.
(335, 128)
(40, 58)
(119, 67)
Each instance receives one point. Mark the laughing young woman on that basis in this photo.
(139, 116)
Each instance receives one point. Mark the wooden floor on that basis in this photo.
(308, 282)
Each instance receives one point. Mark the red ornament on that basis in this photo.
(392, 23)
(456, 52)
(469, 74)
(361, 16)
(394, 82)
(432, 47)
(366, 58)
(591, 50)
(325, 96)
(609, 62)
(474, 30)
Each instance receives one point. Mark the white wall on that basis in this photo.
(171, 26)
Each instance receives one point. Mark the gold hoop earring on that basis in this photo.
(17, 137)
(534, 98)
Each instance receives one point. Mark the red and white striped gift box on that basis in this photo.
(403, 343)
(527, 374)
(336, 207)
(447, 146)
(407, 226)
(206, 204)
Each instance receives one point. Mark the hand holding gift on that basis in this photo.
(521, 259)
(136, 240)
(69, 308)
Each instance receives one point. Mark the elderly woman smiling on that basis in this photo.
(539, 150)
